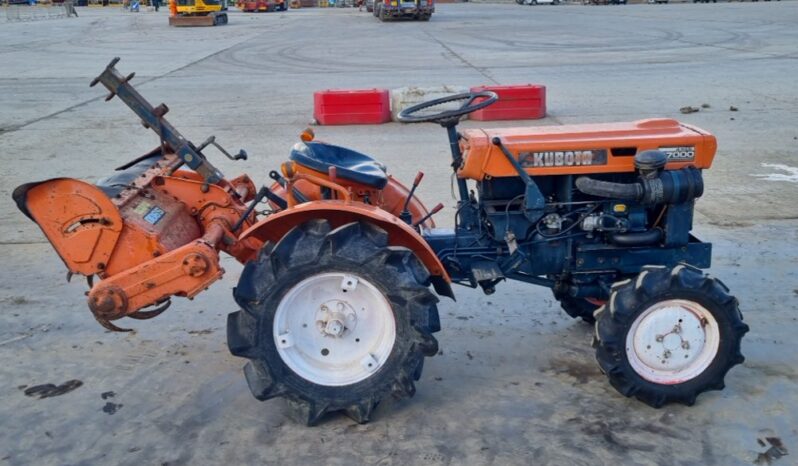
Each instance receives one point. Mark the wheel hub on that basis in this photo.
(334, 329)
(336, 317)
(672, 341)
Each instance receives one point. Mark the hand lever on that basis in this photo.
(262, 192)
(281, 181)
(432, 212)
(211, 141)
(405, 215)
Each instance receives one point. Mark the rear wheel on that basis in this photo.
(669, 335)
(333, 320)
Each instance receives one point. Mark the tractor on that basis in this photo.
(343, 264)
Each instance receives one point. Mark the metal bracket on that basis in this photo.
(152, 118)
(534, 202)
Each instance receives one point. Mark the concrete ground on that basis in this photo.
(517, 382)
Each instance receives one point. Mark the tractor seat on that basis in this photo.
(349, 165)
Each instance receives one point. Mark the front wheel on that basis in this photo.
(668, 335)
(333, 320)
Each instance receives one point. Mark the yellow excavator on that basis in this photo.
(197, 12)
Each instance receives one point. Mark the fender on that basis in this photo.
(78, 219)
(338, 213)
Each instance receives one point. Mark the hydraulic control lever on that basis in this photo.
(276, 176)
(432, 212)
(405, 215)
(262, 193)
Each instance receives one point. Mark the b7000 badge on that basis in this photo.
(679, 154)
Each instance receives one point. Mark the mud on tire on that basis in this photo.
(314, 249)
(631, 307)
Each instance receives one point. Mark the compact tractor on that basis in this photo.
(343, 262)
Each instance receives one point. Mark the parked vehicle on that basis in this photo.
(541, 2)
(411, 9)
(254, 6)
(191, 13)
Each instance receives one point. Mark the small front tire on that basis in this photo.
(668, 335)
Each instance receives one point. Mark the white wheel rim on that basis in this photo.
(672, 341)
(334, 329)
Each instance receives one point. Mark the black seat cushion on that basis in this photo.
(114, 184)
(349, 165)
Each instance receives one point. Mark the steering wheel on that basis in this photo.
(408, 115)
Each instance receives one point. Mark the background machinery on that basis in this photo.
(343, 263)
(395, 9)
(197, 12)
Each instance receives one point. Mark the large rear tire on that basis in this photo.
(669, 335)
(333, 320)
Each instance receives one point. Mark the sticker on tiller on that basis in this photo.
(142, 208)
(154, 215)
(679, 153)
(567, 158)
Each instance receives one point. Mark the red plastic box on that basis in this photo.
(352, 107)
(520, 102)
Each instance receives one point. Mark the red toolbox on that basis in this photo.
(519, 102)
(352, 107)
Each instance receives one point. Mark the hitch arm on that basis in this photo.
(152, 117)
